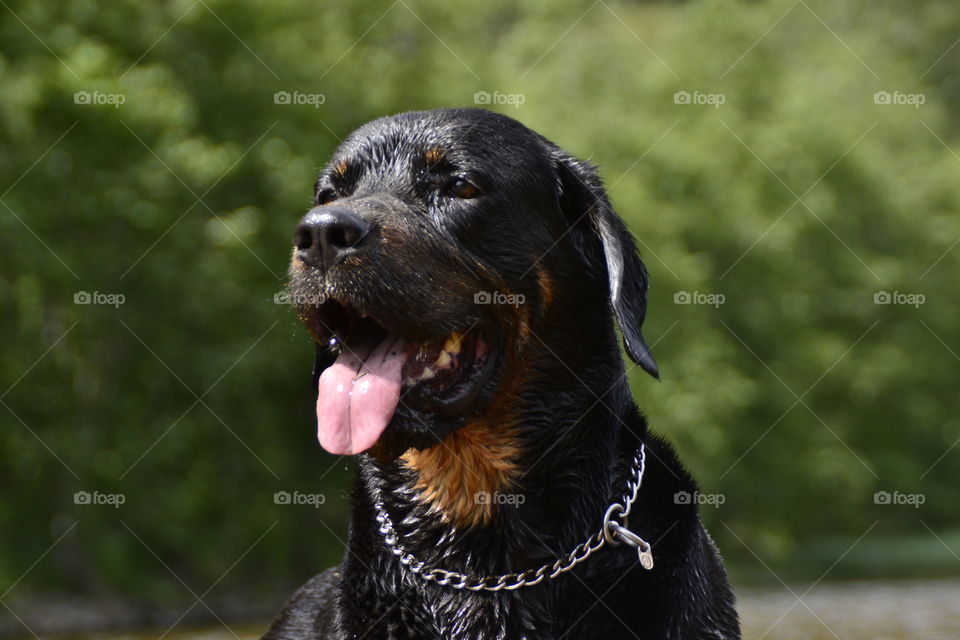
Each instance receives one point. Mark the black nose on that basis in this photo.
(327, 235)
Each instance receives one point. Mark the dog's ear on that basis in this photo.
(585, 205)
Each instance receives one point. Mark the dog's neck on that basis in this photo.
(549, 496)
(567, 470)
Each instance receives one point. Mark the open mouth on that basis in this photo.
(376, 370)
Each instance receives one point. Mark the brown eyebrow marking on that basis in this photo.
(341, 168)
(433, 155)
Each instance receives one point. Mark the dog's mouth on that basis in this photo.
(377, 369)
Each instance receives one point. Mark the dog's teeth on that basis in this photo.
(427, 374)
(443, 360)
(452, 345)
(408, 380)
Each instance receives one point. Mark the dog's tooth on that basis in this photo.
(452, 345)
(408, 380)
(443, 360)
(427, 374)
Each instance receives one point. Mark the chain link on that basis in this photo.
(608, 533)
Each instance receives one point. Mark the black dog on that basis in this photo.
(460, 275)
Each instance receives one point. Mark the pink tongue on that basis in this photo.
(357, 396)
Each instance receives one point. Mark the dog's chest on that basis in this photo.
(402, 610)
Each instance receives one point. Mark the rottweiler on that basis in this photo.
(460, 275)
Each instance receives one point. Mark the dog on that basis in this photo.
(460, 276)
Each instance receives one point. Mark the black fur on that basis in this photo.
(539, 212)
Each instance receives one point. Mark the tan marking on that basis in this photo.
(521, 319)
(476, 458)
(341, 168)
(546, 287)
(433, 155)
(524, 326)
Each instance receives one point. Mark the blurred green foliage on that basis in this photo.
(797, 199)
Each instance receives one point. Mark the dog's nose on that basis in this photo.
(327, 235)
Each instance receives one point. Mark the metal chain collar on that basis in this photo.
(613, 532)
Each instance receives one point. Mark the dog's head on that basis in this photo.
(444, 251)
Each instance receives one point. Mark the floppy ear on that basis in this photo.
(585, 204)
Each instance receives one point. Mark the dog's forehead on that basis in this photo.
(468, 138)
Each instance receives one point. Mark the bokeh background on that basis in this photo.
(790, 170)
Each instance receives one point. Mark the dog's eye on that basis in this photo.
(326, 196)
(462, 188)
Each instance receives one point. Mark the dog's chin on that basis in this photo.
(413, 429)
(384, 392)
